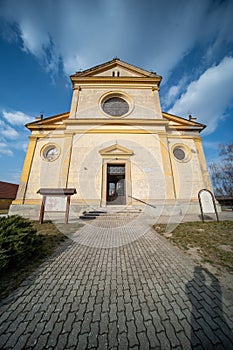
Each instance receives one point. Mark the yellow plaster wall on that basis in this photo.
(188, 175)
(154, 175)
(26, 171)
(146, 164)
(43, 173)
(145, 102)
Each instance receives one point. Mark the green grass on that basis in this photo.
(213, 241)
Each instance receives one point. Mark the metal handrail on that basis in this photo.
(139, 200)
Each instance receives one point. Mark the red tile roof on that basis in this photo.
(8, 190)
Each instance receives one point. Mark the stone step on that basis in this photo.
(115, 218)
(115, 214)
(90, 214)
(97, 212)
(84, 217)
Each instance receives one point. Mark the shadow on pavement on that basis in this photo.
(209, 327)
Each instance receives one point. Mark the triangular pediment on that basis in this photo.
(181, 123)
(113, 67)
(116, 151)
(53, 122)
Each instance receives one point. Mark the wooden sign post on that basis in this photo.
(55, 200)
(207, 203)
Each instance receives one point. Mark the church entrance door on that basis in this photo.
(116, 192)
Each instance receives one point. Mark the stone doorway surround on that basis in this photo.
(116, 184)
(116, 155)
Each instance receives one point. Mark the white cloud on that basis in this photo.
(219, 27)
(17, 118)
(84, 33)
(24, 146)
(73, 63)
(13, 138)
(174, 92)
(4, 149)
(209, 97)
(7, 131)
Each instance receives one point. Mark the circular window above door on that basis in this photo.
(116, 104)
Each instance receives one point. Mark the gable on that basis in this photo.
(54, 122)
(116, 151)
(179, 123)
(118, 71)
(116, 65)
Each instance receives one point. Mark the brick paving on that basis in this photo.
(118, 287)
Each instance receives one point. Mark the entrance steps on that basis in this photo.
(111, 214)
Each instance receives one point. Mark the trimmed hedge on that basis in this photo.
(18, 242)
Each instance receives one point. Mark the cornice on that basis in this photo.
(169, 137)
(119, 86)
(116, 62)
(79, 81)
(113, 121)
(46, 127)
(112, 131)
(180, 120)
(49, 122)
(185, 127)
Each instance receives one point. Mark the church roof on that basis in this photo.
(179, 123)
(115, 62)
(49, 122)
(175, 122)
(102, 73)
(8, 190)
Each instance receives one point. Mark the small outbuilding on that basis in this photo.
(8, 193)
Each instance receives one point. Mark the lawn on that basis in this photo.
(209, 242)
(49, 236)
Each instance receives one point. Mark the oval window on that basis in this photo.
(179, 153)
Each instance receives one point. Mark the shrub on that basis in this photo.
(18, 241)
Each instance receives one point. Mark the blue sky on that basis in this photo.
(42, 42)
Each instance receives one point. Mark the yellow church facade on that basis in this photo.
(115, 147)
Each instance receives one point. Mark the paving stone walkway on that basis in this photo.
(138, 293)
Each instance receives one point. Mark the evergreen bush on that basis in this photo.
(18, 241)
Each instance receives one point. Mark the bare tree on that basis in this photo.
(222, 171)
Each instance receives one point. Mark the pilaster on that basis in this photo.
(203, 166)
(65, 163)
(167, 167)
(26, 171)
(74, 102)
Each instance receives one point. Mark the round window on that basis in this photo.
(179, 153)
(115, 106)
(50, 153)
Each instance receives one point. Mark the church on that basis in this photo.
(115, 147)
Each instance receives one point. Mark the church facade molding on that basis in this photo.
(115, 145)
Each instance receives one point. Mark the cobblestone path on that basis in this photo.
(138, 294)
